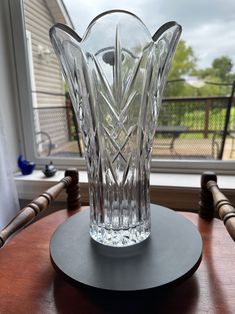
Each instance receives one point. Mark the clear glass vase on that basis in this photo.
(116, 75)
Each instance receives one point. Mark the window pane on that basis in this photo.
(191, 123)
(194, 128)
(55, 130)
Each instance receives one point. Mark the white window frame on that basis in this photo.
(25, 100)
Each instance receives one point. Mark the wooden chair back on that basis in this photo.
(26, 215)
(214, 202)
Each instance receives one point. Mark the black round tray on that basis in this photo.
(171, 254)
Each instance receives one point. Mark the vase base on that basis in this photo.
(170, 255)
(120, 238)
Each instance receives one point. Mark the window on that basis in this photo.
(46, 112)
(49, 129)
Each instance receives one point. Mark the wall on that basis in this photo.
(8, 91)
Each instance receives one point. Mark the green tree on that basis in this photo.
(222, 67)
(219, 72)
(184, 63)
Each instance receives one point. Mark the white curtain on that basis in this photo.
(9, 204)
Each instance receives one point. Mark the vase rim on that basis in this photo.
(155, 36)
(77, 37)
(97, 17)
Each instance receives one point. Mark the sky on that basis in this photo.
(208, 25)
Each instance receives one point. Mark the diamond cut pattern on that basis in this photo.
(116, 75)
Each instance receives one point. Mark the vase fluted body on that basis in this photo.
(116, 75)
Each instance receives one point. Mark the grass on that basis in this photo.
(195, 120)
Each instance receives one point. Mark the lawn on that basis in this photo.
(195, 120)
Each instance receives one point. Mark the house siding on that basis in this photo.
(47, 73)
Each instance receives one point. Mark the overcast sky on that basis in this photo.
(208, 25)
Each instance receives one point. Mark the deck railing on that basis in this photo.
(202, 116)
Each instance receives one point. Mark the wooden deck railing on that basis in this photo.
(203, 117)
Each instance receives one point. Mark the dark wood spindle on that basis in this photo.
(28, 213)
(213, 200)
(73, 190)
(206, 204)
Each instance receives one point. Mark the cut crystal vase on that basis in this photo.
(116, 75)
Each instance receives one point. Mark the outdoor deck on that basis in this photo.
(186, 129)
(198, 149)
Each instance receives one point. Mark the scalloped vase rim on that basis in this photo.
(79, 38)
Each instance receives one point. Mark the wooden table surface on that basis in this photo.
(29, 284)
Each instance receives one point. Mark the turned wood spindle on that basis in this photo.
(206, 203)
(28, 213)
(212, 199)
(73, 190)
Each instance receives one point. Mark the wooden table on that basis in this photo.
(29, 284)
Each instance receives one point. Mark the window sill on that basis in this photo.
(177, 191)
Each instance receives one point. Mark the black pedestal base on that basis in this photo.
(171, 254)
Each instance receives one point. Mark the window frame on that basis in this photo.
(26, 113)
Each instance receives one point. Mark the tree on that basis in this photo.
(184, 63)
(219, 72)
(222, 67)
